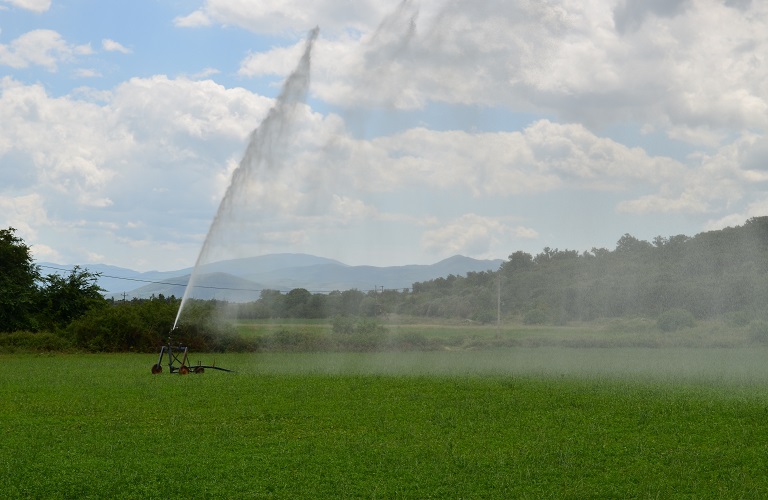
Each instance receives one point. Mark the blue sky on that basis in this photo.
(431, 128)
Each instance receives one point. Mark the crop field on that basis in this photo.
(456, 334)
(546, 422)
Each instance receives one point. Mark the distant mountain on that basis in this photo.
(116, 279)
(329, 277)
(241, 280)
(220, 286)
(266, 263)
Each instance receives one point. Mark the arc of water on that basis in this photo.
(264, 146)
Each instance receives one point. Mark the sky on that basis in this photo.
(430, 128)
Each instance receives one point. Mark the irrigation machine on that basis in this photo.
(178, 360)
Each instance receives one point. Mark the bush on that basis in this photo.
(24, 341)
(758, 331)
(342, 324)
(675, 319)
(536, 316)
(369, 326)
(119, 328)
(295, 340)
(738, 318)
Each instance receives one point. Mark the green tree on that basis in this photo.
(297, 303)
(18, 277)
(66, 298)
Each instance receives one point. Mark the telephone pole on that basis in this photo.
(498, 304)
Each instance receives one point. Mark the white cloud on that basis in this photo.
(288, 16)
(150, 147)
(45, 253)
(543, 157)
(205, 73)
(25, 213)
(38, 6)
(87, 73)
(711, 183)
(113, 46)
(195, 19)
(472, 234)
(756, 209)
(145, 163)
(66, 155)
(279, 61)
(41, 47)
(689, 70)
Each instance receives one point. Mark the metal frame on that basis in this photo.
(179, 354)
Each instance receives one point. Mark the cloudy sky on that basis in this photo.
(431, 128)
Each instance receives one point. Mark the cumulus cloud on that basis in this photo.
(86, 73)
(693, 71)
(755, 209)
(472, 234)
(148, 147)
(630, 14)
(41, 47)
(287, 16)
(25, 213)
(113, 46)
(195, 19)
(543, 157)
(205, 73)
(38, 6)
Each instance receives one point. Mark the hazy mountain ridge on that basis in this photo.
(240, 280)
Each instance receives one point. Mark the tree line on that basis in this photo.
(713, 274)
(721, 273)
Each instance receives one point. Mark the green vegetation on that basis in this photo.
(372, 425)
(675, 285)
(32, 302)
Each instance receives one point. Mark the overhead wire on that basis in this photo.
(183, 284)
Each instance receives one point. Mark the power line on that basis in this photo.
(184, 284)
(163, 282)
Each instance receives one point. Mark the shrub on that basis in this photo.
(758, 331)
(369, 326)
(536, 316)
(675, 319)
(738, 318)
(295, 340)
(342, 324)
(24, 341)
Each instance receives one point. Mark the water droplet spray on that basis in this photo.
(262, 154)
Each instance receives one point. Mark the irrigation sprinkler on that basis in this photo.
(178, 360)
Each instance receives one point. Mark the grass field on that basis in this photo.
(456, 334)
(512, 423)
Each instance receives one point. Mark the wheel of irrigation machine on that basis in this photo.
(183, 370)
(157, 369)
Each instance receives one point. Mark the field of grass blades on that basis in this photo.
(534, 424)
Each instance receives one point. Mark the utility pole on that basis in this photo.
(498, 304)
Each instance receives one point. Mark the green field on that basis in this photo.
(547, 422)
(441, 334)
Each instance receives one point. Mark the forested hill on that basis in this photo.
(710, 274)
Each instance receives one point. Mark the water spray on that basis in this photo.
(263, 153)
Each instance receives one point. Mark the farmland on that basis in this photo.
(531, 422)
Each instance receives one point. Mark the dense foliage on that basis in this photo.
(673, 280)
(32, 302)
(716, 273)
(18, 276)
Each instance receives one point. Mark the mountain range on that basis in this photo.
(241, 280)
